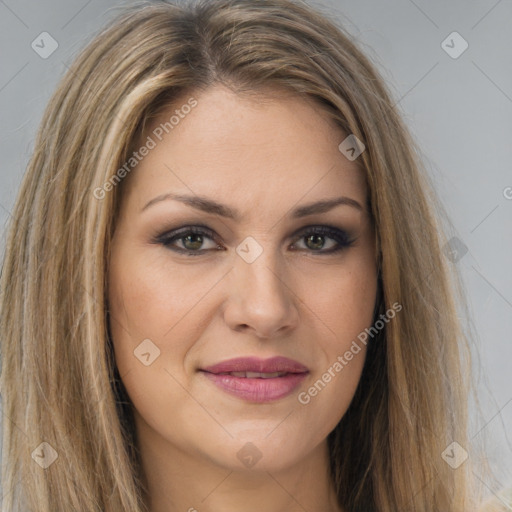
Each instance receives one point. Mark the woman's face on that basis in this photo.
(271, 269)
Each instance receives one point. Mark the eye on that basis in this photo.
(191, 240)
(196, 240)
(324, 239)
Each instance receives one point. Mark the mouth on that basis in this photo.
(257, 380)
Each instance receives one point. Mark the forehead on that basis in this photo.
(263, 146)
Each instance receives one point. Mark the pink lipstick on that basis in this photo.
(257, 380)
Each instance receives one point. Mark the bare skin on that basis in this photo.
(297, 299)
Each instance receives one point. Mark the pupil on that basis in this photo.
(317, 241)
(193, 241)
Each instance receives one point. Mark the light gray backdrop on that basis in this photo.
(457, 102)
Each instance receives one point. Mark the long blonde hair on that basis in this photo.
(59, 380)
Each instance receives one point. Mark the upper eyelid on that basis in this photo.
(190, 228)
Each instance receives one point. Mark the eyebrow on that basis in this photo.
(210, 206)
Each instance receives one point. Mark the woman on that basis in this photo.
(224, 286)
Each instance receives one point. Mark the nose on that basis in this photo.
(260, 300)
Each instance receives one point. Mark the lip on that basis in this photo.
(257, 389)
(254, 364)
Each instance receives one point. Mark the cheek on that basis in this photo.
(137, 308)
(343, 297)
(352, 303)
(148, 321)
(343, 306)
(146, 297)
(150, 299)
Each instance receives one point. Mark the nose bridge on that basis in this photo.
(260, 298)
(266, 279)
(259, 262)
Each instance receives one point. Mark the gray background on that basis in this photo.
(458, 109)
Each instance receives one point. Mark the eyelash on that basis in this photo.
(339, 236)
